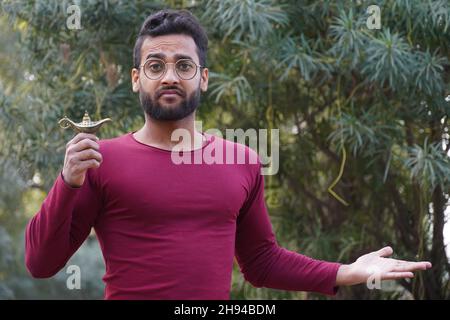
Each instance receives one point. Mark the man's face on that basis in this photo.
(169, 98)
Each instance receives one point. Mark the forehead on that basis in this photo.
(171, 46)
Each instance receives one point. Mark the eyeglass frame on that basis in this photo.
(174, 63)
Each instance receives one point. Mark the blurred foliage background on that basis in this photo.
(342, 95)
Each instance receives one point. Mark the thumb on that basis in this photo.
(385, 252)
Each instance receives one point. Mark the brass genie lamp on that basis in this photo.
(86, 125)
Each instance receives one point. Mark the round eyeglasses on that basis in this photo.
(185, 69)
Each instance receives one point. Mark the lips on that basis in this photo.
(171, 92)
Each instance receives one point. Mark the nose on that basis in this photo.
(170, 76)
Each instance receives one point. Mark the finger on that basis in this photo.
(88, 164)
(81, 136)
(89, 154)
(411, 266)
(85, 144)
(428, 263)
(398, 261)
(385, 252)
(397, 275)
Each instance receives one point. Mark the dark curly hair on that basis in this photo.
(166, 22)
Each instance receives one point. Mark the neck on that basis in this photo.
(158, 134)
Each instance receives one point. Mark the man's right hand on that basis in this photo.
(82, 153)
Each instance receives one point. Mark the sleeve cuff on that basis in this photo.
(62, 183)
(333, 273)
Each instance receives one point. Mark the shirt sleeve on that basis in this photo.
(61, 225)
(264, 263)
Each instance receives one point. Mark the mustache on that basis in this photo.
(179, 91)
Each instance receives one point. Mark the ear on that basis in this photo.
(204, 80)
(135, 79)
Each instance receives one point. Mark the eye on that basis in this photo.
(155, 66)
(185, 66)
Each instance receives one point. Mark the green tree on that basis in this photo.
(371, 102)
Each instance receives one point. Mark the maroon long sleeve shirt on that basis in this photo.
(170, 231)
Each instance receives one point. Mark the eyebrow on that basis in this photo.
(162, 56)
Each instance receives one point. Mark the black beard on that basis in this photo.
(156, 111)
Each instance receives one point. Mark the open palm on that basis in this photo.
(378, 264)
